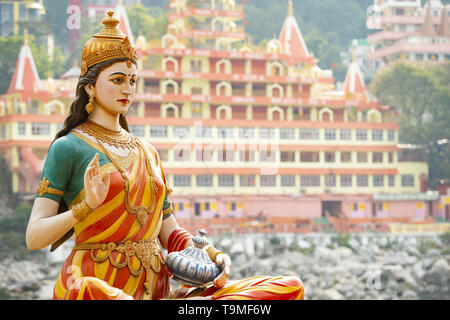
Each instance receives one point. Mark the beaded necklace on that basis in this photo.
(118, 139)
(141, 212)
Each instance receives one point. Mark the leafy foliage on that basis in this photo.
(150, 21)
(422, 96)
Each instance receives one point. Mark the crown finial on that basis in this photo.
(110, 21)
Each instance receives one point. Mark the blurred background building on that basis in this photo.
(407, 30)
(13, 13)
(243, 132)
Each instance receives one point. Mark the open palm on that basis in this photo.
(95, 188)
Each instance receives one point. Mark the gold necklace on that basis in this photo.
(141, 212)
(118, 139)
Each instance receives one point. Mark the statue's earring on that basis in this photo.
(90, 105)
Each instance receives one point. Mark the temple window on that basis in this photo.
(330, 134)
(330, 156)
(345, 134)
(287, 133)
(203, 132)
(259, 90)
(204, 180)
(226, 180)
(346, 180)
(391, 180)
(309, 134)
(266, 133)
(407, 180)
(247, 180)
(267, 156)
(362, 180)
(137, 130)
(34, 107)
(21, 128)
(196, 110)
(181, 154)
(3, 132)
(151, 86)
(378, 180)
(170, 64)
(158, 131)
(361, 157)
(170, 112)
(377, 157)
(391, 135)
(246, 133)
(390, 157)
(361, 134)
(203, 155)
(181, 180)
(196, 66)
(197, 90)
(181, 132)
(326, 115)
(287, 156)
(267, 180)
(309, 180)
(170, 88)
(246, 156)
(288, 181)
(40, 129)
(346, 156)
(275, 113)
(309, 156)
(330, 180)
(225, 132)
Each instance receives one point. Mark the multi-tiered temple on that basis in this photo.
(242, 131)
(406, 30)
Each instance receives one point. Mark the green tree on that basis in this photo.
(422, 96)
(8, 57)
(150, 21)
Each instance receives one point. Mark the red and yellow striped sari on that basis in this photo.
(81, 276)
(107, 274)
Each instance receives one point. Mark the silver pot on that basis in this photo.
(193, 266)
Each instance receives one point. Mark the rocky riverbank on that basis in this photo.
(336, 267)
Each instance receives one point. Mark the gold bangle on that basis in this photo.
(81, 210)
(212, 252)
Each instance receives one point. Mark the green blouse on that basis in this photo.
(65, 165)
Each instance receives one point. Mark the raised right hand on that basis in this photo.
(95, 188)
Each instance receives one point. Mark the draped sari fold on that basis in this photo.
(117, 258)
(86, 269)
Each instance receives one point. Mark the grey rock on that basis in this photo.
(409, 295)
(302, 244)
(325, 254)
(328, 294)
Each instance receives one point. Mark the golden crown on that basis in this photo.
(108, 43)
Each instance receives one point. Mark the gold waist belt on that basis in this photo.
(146, 251)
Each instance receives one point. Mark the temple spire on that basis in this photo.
(291, 37)
(354, 80)
(25, 36)
(428, 26)
(444, 28)
(25, 77)
(124, 25)
(290, 9)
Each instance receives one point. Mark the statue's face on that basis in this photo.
(116, 87)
